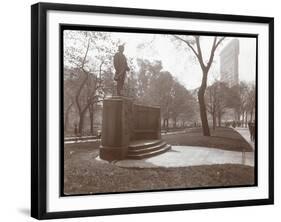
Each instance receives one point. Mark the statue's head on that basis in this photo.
(121, 48)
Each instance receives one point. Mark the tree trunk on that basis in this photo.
(81, 123)
(166, 123)
(242, 121)
(214, 120)
(91, 115)
(238, 114)
(251, 117)
(220, 120)
(202, 106)
(66, 121)
(175, 122)
(66, 117)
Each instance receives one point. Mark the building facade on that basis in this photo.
(229, 63)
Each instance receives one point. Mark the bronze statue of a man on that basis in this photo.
(121, 67)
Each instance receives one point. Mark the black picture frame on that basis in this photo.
(39, 108)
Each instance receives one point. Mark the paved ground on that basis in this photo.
(246, 135)
(184, 156)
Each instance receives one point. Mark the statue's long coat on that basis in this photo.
(120, 65)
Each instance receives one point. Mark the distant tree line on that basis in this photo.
(158, 87)
(241, 98)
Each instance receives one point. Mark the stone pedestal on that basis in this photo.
(116, 128)
(147, 122)
(130, 130)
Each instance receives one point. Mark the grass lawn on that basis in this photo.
(223, 138)
(83, 174)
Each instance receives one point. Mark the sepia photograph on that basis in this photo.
(156, 110)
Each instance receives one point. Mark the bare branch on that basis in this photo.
(85, 56)
(200, 57)
(219, 42)
(215, 44)
(189, 45)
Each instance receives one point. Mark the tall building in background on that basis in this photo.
(229, 63)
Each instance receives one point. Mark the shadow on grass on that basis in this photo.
(221, 138)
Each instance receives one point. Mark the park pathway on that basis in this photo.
(184, 156)
(244, 132)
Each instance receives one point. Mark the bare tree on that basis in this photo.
(251, 102)
(218, 98)
(89, 54)
(239, 101)
(194, 45)
(68, 95)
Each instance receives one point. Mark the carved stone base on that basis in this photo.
(130, 130)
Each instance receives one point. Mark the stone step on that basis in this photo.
(151, 153)
(146, 149)
(140, 144)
